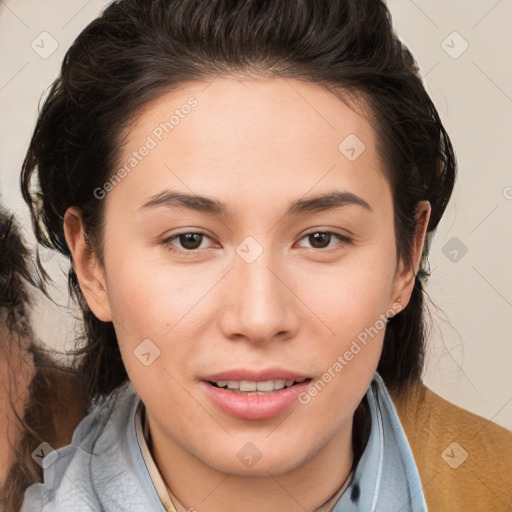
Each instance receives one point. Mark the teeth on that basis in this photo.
(245, 385)
(279, 384)
(267, 385)
(250, 386)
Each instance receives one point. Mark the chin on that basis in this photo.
(257, 458)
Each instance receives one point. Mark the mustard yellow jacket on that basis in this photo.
(464, 461)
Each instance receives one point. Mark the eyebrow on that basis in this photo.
(204, 204)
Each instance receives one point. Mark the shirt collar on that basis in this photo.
(386, 477)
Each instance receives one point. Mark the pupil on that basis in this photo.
(187, 240)
(317, 239)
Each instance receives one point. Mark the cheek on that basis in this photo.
(150, 307)
(352, 302)
(352, 307)
(148, 298)
(351, 296)
(157, 335)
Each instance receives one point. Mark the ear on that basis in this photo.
(407, 270)
(89, 271)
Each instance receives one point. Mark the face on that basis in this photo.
(251, 241)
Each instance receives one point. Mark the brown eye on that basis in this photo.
(320, 239)
(190, 241)
(323, 239)
(186, 242)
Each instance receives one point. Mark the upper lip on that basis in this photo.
(239, 374)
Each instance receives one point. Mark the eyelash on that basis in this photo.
(169, 246)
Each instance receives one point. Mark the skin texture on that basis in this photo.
(257, 146)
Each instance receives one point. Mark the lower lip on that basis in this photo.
(254, 407)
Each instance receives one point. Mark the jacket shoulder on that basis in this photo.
(464, 460)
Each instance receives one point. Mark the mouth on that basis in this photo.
(256, 388)
(255, 399)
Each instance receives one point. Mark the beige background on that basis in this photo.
(463, 49)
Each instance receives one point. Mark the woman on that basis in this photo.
(34, 387)
(246, 191)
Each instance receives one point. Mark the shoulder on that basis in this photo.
(73, 472)
(464, 460)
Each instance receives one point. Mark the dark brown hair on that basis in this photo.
(51, 385)
(138, 50)
(15, 275)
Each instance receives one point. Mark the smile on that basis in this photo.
(255, 387)
(254, 400)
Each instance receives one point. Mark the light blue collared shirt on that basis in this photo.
(103, 469)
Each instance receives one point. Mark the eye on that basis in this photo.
(188, 242)
(323, 239)
(191, 242)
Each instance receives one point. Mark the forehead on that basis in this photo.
(255, 111)
(273, 135)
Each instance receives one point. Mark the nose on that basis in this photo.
(261, 305)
